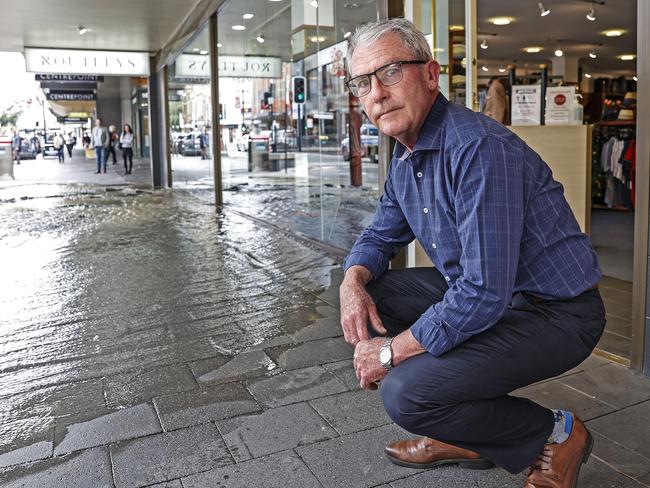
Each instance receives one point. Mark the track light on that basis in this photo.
(502, 69)
(82, 30)
(593, 54)
(543, 12)
(484, 44)
(484, 67)
(260, 39)
(587, 75)
(592, 13)
(559, 53)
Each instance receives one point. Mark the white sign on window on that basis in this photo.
(198, 65)
(526, 105)
(559, 105)
(69, 61)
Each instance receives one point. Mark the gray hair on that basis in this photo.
(411, 38)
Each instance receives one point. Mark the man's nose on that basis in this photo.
(377, 90)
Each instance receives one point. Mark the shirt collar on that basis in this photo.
(429, 137)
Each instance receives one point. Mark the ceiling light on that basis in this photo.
(613, 33)
(275, 0)
(592, 13)
(559, 53)
(501, 20)
(347, 34)
(196, 49)
(587, 75)
(352, 5)
(593, 54)
(248, 16)
(456, 28)
(314, 4)
(543, 11)
(317, 38)
(238, 27)
(484, 44)
(484, 67)
(82, 30)
(635, 78)
(502, 69)
(533, 49)
(260, 39)
(626, 57)
(203, 52)
(219, 44)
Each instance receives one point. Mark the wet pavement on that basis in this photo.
(148, 341)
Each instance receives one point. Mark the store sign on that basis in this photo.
(64, 61)
(63, 96)
(85, 78)
(197, 65)
(526, 105)
(560, 108)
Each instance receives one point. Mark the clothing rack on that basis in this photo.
(606, 191)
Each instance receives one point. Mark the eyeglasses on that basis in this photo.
(389, 74)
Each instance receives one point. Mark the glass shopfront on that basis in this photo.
(285, 117)
(190, 116)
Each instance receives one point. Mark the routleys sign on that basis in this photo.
(198, 65)
(68, 61)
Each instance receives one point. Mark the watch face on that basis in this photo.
(384, 355)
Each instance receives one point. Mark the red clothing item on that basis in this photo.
(630, 156)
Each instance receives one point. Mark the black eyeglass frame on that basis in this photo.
(400, 63)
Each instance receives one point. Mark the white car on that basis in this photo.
(369, 142)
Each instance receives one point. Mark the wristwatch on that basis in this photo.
(386, 354)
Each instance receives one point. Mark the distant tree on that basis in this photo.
(9, 115)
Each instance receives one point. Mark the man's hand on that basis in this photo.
(366, 363)
(357, 306)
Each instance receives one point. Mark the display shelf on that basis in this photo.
(611, 123)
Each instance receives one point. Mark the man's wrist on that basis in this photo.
(358, 274)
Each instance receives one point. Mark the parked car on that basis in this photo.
(28, 149)
(369, 142)
(48, 145)
(190, 144)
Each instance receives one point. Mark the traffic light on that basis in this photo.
(298, 89)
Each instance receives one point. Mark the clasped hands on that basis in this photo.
(357, 309)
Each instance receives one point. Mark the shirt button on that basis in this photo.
(433, 245)
(447, 278)
(426, 210)
(419, 174)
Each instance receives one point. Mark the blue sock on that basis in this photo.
(562, 428)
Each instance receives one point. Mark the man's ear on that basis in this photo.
(433, 74)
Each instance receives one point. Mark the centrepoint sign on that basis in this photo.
(53, 61)
(197, 65)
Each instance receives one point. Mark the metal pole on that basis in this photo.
(299, 127)
(216, 132)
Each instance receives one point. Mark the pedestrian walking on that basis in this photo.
(85, 140)
(115, 140)
(16, 142)
(204, 143)
(126, 144)
(70, 142)
(101, 141)
(58, 142)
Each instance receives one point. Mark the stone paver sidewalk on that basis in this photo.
(147, 343)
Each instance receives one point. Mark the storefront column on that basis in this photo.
(157, 126)
(640, 354)
(216, 132)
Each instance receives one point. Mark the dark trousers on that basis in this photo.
(462, 397)
(69, 146)
(60, 154)
(111, 150)
(127, 153)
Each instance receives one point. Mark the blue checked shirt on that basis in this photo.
(488, 213)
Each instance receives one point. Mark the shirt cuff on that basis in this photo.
(431, 334)
(376, 264)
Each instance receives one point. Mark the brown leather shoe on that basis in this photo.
(558, 465)
(429, 453)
